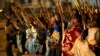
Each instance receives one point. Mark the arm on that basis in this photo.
(6, 29)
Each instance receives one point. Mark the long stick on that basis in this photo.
(32, 18)
(59, 7)
(42, 25)
(44, 10)
(83, 17)
(97, 3)
(17, 14)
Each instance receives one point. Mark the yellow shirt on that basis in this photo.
(81, 48)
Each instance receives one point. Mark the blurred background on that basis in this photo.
(34, 4)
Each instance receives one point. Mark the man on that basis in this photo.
(11, 31)
(54, 42)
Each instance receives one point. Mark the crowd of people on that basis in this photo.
(81, 35)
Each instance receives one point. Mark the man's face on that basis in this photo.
(52, 21)
(74, 21)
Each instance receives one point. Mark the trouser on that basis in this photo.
(43, 48)
(15, 42)
(19, 53)
(97, 51)
(9, 48)
(54, 52)
(23, 47)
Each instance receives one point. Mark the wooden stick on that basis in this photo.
(42, 25)
(83, 17)
(13, 9)
(97, 3)
(59, 7)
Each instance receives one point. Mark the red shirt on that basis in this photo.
(70, 37)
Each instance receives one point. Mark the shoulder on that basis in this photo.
(97, 35)
(92, 31)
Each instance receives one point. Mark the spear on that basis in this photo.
(60, 9)
(97, 3)
(24, 14)
(15, 11)
(90, 12)
(42, 25)
(43, 12)
(43, 7)
(37, 19)
(83, 16)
